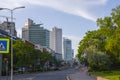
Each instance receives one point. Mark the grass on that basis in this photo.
(111, 75)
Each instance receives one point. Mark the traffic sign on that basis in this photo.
(4, 45)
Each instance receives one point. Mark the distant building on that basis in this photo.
(72, 52)
(56, 40)
(52, 52)
(67, 50)
(58, 56)
(38, 47)
(4, 33)
(35, 33)
(29, 43)
(9, 27)
(7, 35)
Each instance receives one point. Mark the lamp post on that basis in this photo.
(11, 11)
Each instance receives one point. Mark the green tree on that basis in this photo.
(22, 54)
(104, 40)
(112, 24)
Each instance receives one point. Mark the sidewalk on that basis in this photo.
(80, 75)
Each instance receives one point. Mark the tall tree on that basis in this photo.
(22, 53)
(105, 39)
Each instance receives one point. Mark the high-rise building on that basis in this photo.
(56, 40)
(67, 50)
(25, 29)
(9, 27)
(35, 33)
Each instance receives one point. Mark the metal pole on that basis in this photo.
(7, 70)
(11, 11)
(11, 46)
(0, 66)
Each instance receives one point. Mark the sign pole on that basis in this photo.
(4, 48)
(6, 61)
(0, 66)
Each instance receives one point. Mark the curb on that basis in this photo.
(68, 78)
(101, 78)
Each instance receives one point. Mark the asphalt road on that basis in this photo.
(52, 75)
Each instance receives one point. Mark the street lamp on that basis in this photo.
(11, 11)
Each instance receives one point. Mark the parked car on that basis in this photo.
(21, 70)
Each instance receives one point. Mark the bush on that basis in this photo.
(98, 61)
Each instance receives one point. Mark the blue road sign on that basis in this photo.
(4, 45)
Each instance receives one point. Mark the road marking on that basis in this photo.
(26, 79)
(68, 78)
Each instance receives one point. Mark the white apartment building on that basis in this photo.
(56, 40)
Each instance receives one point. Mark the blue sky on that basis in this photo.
(75, 17)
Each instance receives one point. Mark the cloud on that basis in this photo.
(77, 7)
(11, 3)
(96, 2)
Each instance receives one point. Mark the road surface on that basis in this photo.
(52, 75)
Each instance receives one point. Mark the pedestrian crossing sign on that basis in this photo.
(4, 45)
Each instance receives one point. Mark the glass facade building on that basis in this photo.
(67, 50)
(36, 34)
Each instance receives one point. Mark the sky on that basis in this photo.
(75, 17)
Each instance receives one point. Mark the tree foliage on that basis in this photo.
(24, 55)
(105, 40)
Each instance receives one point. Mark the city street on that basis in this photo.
(52, 75)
